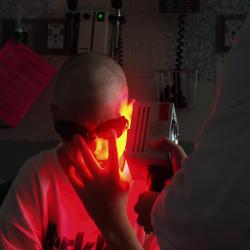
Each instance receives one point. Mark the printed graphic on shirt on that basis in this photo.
(53, 241)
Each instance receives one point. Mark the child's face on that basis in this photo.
(93, 111)
(97, 137)
(98, 132)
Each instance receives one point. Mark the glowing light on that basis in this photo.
(126, 110)
(100, 16)
(121, 143)
(101, 151)
(124, 176)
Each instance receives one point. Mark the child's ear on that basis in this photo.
(54, 110)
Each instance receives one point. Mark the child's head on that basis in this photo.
(89, 91)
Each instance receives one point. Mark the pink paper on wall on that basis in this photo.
(23, 76)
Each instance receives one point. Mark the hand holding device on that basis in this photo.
(146, 200)
(177, 153)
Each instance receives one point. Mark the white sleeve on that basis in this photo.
(170, 219)
(21, 213)
(207, 202)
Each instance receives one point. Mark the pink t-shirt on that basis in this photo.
(43, 211)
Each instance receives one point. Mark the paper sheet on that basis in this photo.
(23, 76)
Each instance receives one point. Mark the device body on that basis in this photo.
(150, 121)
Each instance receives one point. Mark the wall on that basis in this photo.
(149, 44)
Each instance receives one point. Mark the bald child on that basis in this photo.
(46, 206)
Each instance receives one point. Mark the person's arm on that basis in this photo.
(192, 210)
(120, 235)
(146, 200)
(104, 194)
(20, 213)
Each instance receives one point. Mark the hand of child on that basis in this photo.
(176, 151)
(102, 191)
(104, 194)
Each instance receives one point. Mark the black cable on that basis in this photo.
(178, 97)
(72, 5)
(20, 35)
(119, 49)
(174, 94)
(73, 22)
(118, 19)
(116, 4)
(180, 42)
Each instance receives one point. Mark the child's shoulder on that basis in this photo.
(40, 165)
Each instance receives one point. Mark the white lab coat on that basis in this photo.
(207, 205)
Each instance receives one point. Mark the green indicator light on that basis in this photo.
(100, 16)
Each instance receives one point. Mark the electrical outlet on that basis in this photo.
(57, 36)
(55, 39)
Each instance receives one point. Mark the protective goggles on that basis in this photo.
(67, 129)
